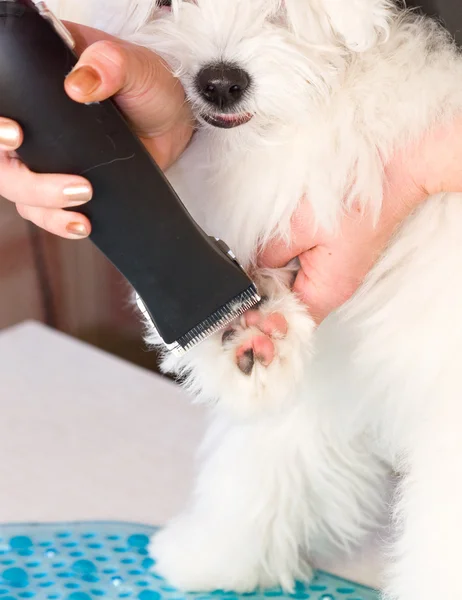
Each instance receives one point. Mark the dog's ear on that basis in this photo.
(356, 24)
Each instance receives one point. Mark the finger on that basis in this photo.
(22, 186)
(325, 281)
(146, 89)
(11, 136)
(59, 222)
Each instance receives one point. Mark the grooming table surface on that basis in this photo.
(85, 436)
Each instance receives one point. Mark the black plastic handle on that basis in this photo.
(137, 219)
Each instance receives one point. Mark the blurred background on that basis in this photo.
(68, 285)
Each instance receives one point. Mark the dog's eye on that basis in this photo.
(167, 3)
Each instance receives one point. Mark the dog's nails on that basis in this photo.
(246, 361)
(228, 336)
(264, 360)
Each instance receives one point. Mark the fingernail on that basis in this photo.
(84, 80)
(77, 229)
(9, 135)
(77, 194)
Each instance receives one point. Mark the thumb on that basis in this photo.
(148, 94)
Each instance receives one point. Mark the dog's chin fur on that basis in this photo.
(296, 461)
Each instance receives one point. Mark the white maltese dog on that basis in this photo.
(308, 98)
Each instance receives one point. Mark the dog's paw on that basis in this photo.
(254, 339)
(258, 363)
(199, 559)
(362, 23)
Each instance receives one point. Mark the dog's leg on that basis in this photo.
(271, 493)
(250, 511)
(427, 553)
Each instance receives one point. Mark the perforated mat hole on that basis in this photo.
(84, 567)
(345, 590)
(46, 584)
(7, 562)
(97, 592)
(76, 554)
(90, 578)
(319, 588)
(101, 558)
(33, 565)
(94, 546)
(15, 577)
(113, 538)
(20, 542)
(72, 586)
(39, 575)
(148, 563)
(149, 595)
(70, 545)
(79, 596)
(135, 572)
(273, 593)
(88, 535)
(27, 594)
(128, 561)
(138, 541)
(142, 583)
(63, 534)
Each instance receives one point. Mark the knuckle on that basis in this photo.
(110, 51)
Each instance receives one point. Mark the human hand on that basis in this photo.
(150, 97)
(333, 266)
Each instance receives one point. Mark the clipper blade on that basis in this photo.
(218, 320)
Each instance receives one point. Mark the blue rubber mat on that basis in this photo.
(108, 561)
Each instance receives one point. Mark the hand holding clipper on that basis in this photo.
(137, 220)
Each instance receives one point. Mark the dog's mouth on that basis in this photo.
(225, 120)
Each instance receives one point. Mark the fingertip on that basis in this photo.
(99, 74)
(78, 227)
(83, 83)
(11, 135)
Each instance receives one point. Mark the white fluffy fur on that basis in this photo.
(297, 457)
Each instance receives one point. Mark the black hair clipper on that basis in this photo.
(188, 284)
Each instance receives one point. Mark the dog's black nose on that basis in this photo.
(222, 85)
